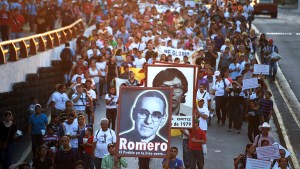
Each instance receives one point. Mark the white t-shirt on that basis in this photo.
(103, 138)
(203, 122)
(219, 87)
(90, 53)
(113, 104)
(205, 95)
(140, 46)
(72, 129)
(60, 100)
(94, 73)
(139, 62)
(92, 93)
(75, 76)
(81, 103)
(101, 66)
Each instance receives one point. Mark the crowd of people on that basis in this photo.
(128, 35)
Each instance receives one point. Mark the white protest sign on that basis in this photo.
(268, 152)
(250, 83)
(180, 53)
(287, 152)
(261, 69)
(257, 164)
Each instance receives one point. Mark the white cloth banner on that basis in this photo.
(257, 164)
(159, 8)
(268, 152)
(180, 53)
(261, 69)
(250, 83)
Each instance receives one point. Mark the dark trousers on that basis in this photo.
(144, 163)
(111, 115)
(6, 156)
(266, 117)
(98, 162)
(220, 107)
(234, 117)
(109, 80)
(31, 21)
(4, 32)
(186, 152)
(88, 161)
(196, 159)
(102, 83)
(253, 123)
(36, 141)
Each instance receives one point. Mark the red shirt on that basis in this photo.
(4, 17)
(88, 149)
(17, 23)
(87, 8)
(199, 135)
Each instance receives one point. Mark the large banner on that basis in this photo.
(182, 79)
(144, 122)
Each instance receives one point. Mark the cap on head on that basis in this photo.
(217, 73)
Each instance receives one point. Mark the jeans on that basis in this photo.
(253, 123)
(186, 152)
(273, 70)
(204, 31)
(6, 156)
(16, 35)
(98, 162)
(196, 159)
(111, 115)
(234, 117)
(220, 107)
(37, 141)
(88, 161)
(144, 163)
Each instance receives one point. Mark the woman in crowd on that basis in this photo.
(111, 71)
(101, 66)
(37, 127)
(241, 160)
(95, 74)
(254, 119)
(111, 106)
(81, 127)
(42, 161)
(8, 133)
(67, 156)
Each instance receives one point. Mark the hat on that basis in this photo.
(217, 73)
(227, 40)
(270, 40)
(190, 12)
(264, 125)
(245, 33)
(37, 105)
(201, 48)
(110, 145)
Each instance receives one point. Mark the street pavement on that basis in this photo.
(222, 146)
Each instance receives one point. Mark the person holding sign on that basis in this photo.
(277, 162)
(241, 160)
(172, 161)
(283, 163)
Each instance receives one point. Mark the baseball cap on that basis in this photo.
(217, 73)
(110, 145)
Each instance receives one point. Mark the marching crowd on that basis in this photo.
(128, 35)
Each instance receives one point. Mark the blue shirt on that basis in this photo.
(31, 9)
(38, 123)
(15, 5)
(174, 164)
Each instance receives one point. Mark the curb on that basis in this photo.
(283, 85)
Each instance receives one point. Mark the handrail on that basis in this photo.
(31, 45)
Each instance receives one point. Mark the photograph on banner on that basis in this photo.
(144, 121)
(251, 83)
(268, 152)
(261, 69)
(182, 79)
(257, 164)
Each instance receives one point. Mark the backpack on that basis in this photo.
(66, 55)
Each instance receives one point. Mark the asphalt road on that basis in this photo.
(285, 31)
